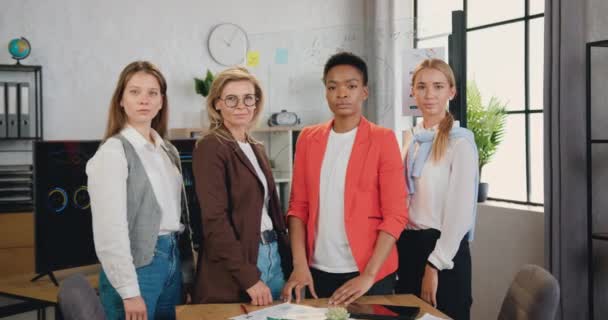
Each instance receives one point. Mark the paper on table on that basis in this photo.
(285, 311)
(427, 316)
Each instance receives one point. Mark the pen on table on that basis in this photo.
(244, 309)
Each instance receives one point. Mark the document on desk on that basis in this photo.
(430, 317)
(285, 311)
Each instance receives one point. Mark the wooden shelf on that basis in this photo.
(600, 236)
(277, 129)
(189, 133)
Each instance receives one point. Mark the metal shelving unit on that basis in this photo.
(20, 127)
(593, 235)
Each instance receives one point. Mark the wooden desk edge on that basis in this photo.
(21, 286)
(228, 310)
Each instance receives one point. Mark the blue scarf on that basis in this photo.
(424, 140)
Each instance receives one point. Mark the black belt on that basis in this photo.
(268, 236)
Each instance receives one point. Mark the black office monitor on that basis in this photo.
(185, 148)
(63, 226)
(63, 232)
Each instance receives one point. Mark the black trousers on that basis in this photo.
(454, 297)
(326, 283)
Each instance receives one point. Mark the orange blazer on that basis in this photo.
(375, 189)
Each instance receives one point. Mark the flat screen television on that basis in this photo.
(63, 227)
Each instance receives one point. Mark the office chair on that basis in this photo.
(78, 300)
(533, 295)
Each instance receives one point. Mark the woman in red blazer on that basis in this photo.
(348, 200)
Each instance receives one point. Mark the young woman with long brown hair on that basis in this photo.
(136, 190)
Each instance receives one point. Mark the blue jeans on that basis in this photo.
(160, 284)
(269, 263)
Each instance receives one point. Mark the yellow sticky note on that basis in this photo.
(253, 58)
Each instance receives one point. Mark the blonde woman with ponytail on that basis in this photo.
(442, 177)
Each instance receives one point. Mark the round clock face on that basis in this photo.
(228, 44)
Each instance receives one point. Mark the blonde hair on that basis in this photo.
(216, 122)
(117, 118)
(440, 144)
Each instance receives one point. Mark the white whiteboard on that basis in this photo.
(291, 67)
(411, 59)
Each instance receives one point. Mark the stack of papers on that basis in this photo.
(430, 317)
(288, 311)
(285, 311)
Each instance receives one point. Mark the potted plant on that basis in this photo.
(488, 125)
(202, 86)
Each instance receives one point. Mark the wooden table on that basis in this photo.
(43, 289)
(41, 293)
(225, 311)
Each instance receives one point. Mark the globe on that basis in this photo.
(19, 48)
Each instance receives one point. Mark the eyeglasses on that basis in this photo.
(232, 101)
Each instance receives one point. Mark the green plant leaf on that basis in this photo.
(209, 77)
(487, 122)
(201, 86)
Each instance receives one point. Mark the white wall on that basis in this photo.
(506, 238)
(83, 44)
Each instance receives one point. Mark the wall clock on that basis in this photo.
(228, 44)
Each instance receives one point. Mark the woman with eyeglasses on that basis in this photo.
(244, 236)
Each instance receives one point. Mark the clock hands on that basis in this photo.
(226, 43)
(229, 43)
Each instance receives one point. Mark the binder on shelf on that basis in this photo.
(3, 127)
(15, 168)
(12, 116)
(24, 110)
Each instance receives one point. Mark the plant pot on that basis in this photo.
(482, 193)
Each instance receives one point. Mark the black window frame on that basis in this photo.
(526, 111)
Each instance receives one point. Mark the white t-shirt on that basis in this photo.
(266, 221)
(332, 250)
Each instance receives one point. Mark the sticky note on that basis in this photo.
(280, 56)
(253, 58)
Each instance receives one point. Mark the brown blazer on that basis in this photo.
(231, 199)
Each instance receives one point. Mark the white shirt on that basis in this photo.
(266, 221)
(107, 173)
(443, 198)
(332, 250)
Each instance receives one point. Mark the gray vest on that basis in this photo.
(143, 210)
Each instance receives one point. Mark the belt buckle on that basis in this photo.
(267, 237)
(262, 238)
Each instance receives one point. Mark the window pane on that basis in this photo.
(599, 185)
(495, 61)
(435, 43)
(537, 6)
(536, 63)
(599, 94)
(435, 16)
(536, 158)
(506, 171)
(481, 12)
